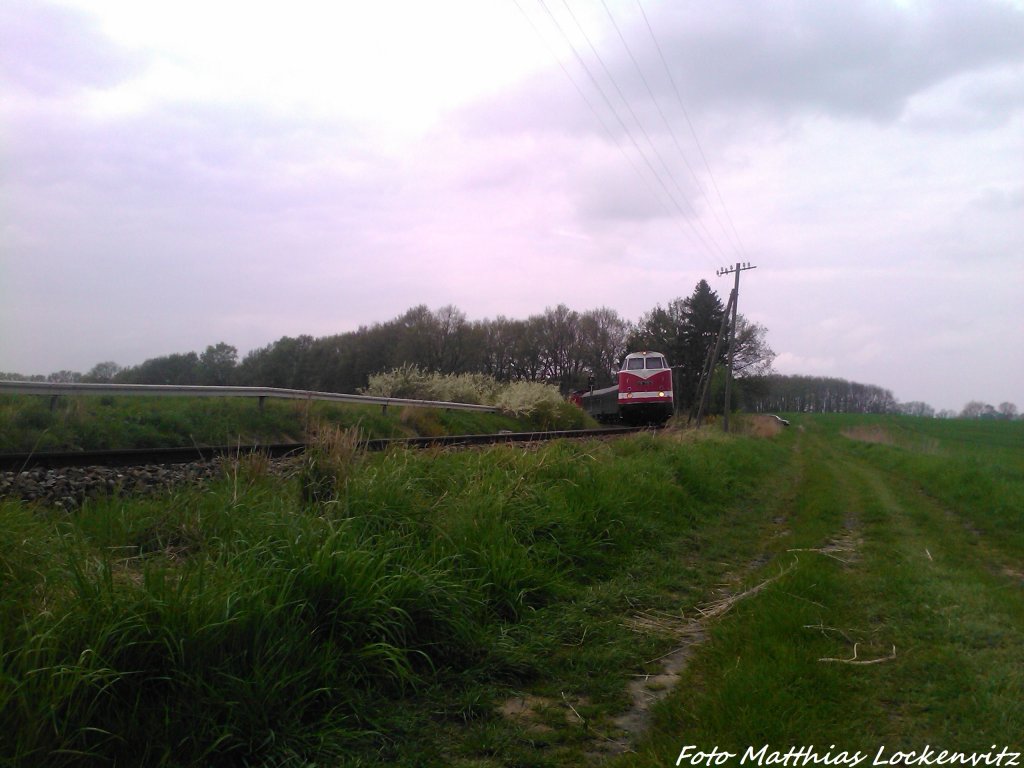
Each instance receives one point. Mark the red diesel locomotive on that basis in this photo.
(643, 394)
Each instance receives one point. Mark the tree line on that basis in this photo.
(560, 346)
(822, 394)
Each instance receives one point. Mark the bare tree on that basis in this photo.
(102, 372)
(64, 377)
(448, 346)
(973, 410)
(602, 342)
(753, 357)
(1008, 410)
(917, 408)
(528, 360)
(497, 340)
(559, 344)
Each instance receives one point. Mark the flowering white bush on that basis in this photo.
(520, 398)
(407, 381)
(527, 398)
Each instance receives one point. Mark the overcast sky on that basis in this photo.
(178, 174)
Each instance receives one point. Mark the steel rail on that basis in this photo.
(15, 462)
(182, 390)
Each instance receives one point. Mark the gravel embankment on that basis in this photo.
(70, 486)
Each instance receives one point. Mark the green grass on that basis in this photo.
(389, 616)
(903, 553)
(973, 467)
(27, 423)
(251, 623)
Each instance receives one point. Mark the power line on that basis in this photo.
(619, 119)
(639, 124)
(693, 132)
(698, 228)
(668, 127)
(611, 134)
(714, 246)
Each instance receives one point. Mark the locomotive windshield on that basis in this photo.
(652, 362)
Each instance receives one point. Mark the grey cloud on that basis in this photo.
(845, 58)
(850, 59)
(993, 200)
(50, 51)
(981, 101)
(998, 96)
(142, 234)
(195, 211)
(612, 203)
(747, 69)
(207, 162)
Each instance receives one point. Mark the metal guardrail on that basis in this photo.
(175, 390)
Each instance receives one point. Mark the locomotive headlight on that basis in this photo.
(661, 394)
(629, 395)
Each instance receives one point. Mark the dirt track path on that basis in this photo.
(896, 627)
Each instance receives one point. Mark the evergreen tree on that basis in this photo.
(684, 332)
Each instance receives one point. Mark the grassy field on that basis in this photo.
(896, 621)
(28, 423)
(856, 582)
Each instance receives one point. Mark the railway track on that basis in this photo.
(67, 479)
(17, 462)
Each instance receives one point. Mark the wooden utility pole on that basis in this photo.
(735, 300)
(712, 361)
